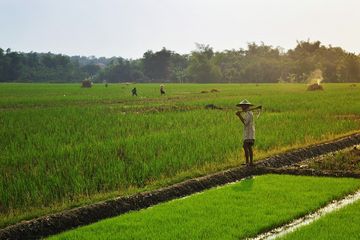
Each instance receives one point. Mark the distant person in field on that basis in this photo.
(134, 92)
(246, 116)
(162, 90)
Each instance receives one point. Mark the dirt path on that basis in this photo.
(56, 223)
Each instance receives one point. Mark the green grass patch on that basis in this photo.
(340, 224)
(345, 160)
(234, 211)
(63, 145)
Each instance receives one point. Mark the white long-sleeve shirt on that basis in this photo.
(249, 126)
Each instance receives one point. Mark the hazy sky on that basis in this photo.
(128, 28)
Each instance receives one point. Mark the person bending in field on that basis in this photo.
(247, 118)
(162, 90)
(134, 92)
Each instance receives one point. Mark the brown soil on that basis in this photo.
(215, 90)
(212, 91)
(315, 87)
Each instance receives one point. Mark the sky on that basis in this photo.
(128, 28)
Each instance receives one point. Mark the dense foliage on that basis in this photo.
(38, 67)
(258, 63)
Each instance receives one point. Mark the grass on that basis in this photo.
(341, 224)
(235, 211)
(345, 160)
(64, 146)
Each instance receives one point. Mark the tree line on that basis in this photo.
(258, 63)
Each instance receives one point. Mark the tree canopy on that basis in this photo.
(258, 63)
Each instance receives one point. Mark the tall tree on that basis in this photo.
(157, 65)
(201, 67)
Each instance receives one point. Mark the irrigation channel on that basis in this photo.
(279, 164)
(281, 231)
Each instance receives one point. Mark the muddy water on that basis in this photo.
(333, 206)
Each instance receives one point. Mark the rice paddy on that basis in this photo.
(65, 146)
(235, 211)
(342, 224)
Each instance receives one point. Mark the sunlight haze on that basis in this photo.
(129, 28)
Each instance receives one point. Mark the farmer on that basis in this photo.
(162, 90)
(133, 91)
(247, 118)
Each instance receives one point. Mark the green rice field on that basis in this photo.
(64, 146)
(235, 211)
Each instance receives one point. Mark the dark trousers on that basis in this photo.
(248, 148)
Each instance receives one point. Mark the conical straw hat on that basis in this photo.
(244, 102)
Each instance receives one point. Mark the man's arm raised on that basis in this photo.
(238, 113)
